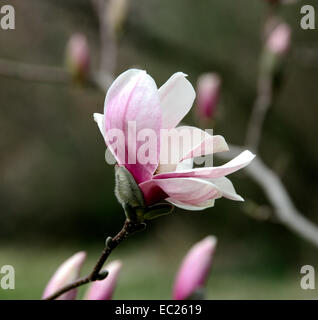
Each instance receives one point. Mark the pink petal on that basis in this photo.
(239, 162)
(104, 289)
(68, 272)
(189, 191)
(131, 105)
(194, 269)
(176, 98)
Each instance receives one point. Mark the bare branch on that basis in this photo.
(278, 196)
(111, 244)
(262, 104)
(32, 72)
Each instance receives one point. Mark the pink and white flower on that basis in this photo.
(134, 98)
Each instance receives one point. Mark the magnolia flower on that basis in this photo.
(104, 289)
(68, 272)
(137, 119)
(208, 88)
(194, 269)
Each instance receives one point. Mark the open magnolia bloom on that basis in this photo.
(139, 126)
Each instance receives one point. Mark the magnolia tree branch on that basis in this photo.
(111, 243)
(33, 72)
(278, 196)
(50, 75)
(262, 104)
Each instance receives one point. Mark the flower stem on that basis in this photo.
(128, 228)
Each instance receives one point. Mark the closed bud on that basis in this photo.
(278, 41)
(68, 272)
(194, 270)
(78, 57)
(208, 92)
(104, 289)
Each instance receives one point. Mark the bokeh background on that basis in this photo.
(56, 191)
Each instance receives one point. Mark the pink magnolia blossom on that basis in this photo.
(135, 98)
(104, 289)
(208, 88)
(279, 40)
(78, 56)
(68, 272)
(194, 269)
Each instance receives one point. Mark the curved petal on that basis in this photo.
(226, 187)
(176, 98)
(186, 142)
(132, 106)
(197, 207)
(239, 162)
(189, 191)
(99, 119)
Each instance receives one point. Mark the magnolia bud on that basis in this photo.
(278, 41)
(78, 57)
(194, 269)
(68, 272)
(104, 289)
(208, 91)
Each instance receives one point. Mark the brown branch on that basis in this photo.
(111, 243)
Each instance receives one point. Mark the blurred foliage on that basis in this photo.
(55, 185)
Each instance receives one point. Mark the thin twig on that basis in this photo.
(278, 196)
(33, 72)
(262, 104)
(128, 228)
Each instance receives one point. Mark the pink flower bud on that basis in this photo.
(208, 90)
(279, 40)
(104, 289)
(68, 272)
(78, 56)
(194, 269)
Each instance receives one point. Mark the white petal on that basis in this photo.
(176, 99)
(198, 207)
(185, 142)
(226, 187)
(185, 165)
(99, 119)
(239, 162)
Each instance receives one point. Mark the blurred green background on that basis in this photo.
(56, 191)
